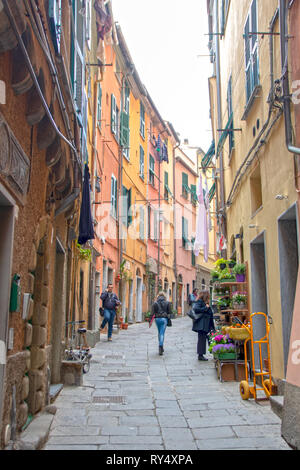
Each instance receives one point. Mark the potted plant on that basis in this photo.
(231, 263)
(221, 264)
(239, 300)
(223, 304)
(125, 325)
(215, 275)
(226, 276)
(221, 346)
(240, 272)
(147, 316)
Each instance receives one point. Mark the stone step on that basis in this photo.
(55, 389)
(277, 405)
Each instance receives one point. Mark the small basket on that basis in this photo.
(238, 334)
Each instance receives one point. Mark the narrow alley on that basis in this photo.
(134, 399)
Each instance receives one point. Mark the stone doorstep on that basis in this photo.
(35, 435)
(277, 405)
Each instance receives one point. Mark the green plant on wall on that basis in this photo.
(84, 254)
(124, 273)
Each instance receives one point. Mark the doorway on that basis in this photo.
(259, 292)
(289, 264)
(139, 300)
(59, 312)
(7, 217)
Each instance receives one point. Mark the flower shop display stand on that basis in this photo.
(231, 369)
(263, 374)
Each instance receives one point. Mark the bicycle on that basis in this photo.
(81, 352)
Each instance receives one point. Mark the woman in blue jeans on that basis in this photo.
(162, 311)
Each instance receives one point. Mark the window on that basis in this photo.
(251, 51)
(149, 222)
(88, 22)
(142, 162)
(142, 223)
(185, 232)
(166, 187)
(126, 206)
(185, 185)
(99, 106)
(115, 118)
(256, 190)
(193, 255)
(55, 23)
(230, 115)
(114, 196)
(151, 171)
(142, 120)
(125, 131)
(194, 197)
(156, 225)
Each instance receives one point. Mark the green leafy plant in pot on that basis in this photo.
(240, 272)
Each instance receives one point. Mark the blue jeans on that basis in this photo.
(161, 324)
(109, 316)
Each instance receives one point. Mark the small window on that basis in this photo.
(114, 196)
(142, 162)
(256, 190)
(142, 120)
(142, 223)
(185, 185)
(151, 171)
(230, 115)
(251, 51)
(185, 233)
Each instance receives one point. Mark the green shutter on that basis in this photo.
(125, 129)
(55, 23)
(113, 114)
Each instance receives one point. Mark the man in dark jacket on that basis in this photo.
(162, 310)
(110, 302)
(204, 324)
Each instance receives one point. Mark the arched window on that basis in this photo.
(203, 284)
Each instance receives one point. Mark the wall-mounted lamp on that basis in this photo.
(281, 197)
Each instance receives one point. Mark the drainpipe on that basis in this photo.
(174, 220)
(219, 101)
(283, 14)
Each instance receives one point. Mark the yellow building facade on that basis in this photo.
(255, 174)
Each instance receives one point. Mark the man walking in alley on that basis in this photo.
(110, 302)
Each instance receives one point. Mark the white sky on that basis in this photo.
(164, 38)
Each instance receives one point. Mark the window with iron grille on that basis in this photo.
(142, 120)
(251, 51)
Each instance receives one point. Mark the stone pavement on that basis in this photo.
(134, 399)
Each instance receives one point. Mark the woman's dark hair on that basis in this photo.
(204, 295)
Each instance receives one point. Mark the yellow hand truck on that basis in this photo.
(264, 373)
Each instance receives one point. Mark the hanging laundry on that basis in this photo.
(86, 227)
(103, 19)
(201, 240)
(164, 156)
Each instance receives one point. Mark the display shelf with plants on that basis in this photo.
(230, 295)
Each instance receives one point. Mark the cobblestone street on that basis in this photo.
(162, 403)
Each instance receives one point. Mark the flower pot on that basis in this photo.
(240, 278)
(125, 326)
(225, 356)
(240, 306)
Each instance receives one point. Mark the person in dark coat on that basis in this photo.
(204, 324)
(162, 310)
(110, 303)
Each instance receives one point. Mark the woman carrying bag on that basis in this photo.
(203, 322)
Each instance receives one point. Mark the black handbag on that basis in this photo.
(193, 315)
(169, 322)
(101, 311)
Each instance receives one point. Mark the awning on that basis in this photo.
(208, 156)
(224, 135)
